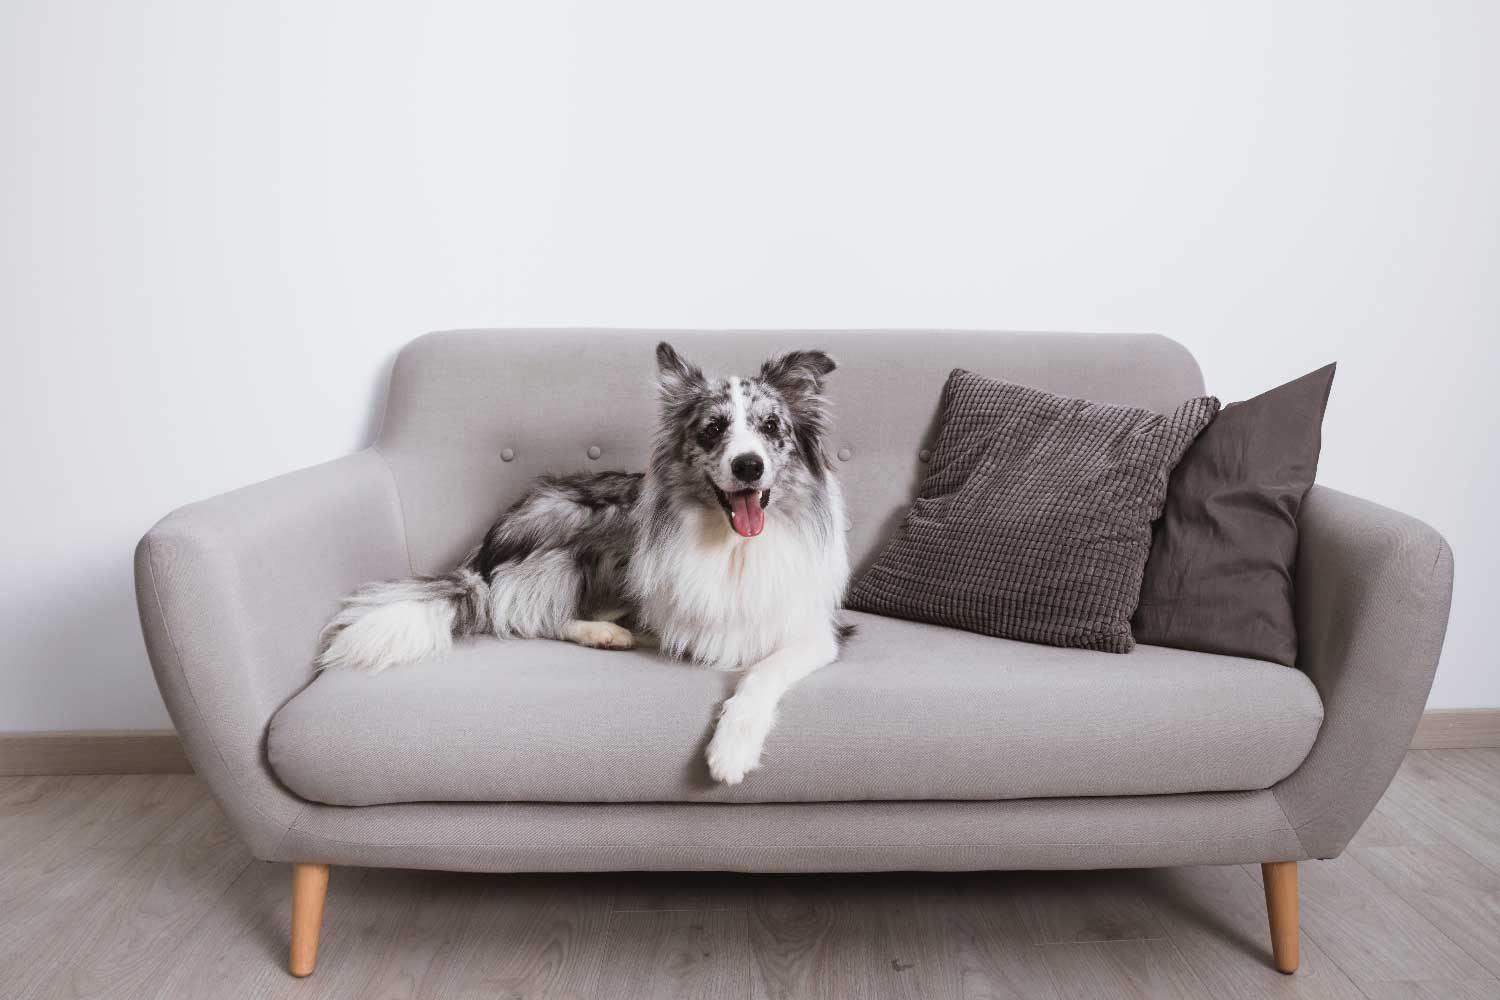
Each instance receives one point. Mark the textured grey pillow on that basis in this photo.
(1034, 521)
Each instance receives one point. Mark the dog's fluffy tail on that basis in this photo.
(401, 621)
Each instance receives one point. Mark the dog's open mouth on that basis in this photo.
(746, 509)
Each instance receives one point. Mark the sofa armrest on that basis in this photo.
(233, 592)
(1373, 588)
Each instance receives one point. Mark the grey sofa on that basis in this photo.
(922, 748)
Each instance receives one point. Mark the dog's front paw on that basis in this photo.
(600, 635)
(735, 748)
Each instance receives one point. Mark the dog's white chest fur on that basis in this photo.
(727, 601)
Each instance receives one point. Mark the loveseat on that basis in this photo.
(922, 748)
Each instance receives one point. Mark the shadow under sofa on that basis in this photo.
(922, 748)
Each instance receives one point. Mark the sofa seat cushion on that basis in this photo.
(910, 711)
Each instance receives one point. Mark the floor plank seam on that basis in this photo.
(1090, 944)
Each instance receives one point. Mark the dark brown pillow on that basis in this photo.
(1034, 519)
(1223, 554)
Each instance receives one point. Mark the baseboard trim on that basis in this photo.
(158, 751)
(97, 751)
(1458, 729)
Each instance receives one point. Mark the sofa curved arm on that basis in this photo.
(232, 594)
(1373, 590)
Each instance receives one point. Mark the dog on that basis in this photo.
(730, 549)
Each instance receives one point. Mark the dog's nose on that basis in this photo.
(747, 467)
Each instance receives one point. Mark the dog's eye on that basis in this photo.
(771, 424)
(711, 431)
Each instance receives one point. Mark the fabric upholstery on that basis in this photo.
(459, 399)
(1224, 552)
(232, 592)
(1373, 592)
(1219, 828)
(1034, 519)
(910, 711)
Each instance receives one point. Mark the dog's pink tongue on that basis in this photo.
(746, 513)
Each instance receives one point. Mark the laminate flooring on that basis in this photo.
(133, 886)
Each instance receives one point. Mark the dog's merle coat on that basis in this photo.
(674, 551)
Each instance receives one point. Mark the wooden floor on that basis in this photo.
(133, 887)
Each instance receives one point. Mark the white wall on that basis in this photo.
(219, 221)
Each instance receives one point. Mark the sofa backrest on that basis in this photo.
(573, 400)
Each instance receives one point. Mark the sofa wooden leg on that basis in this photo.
(309, 889)
(1280, 878)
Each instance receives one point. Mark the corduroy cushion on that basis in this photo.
(1223, 554)
(1034, 521)
(908, 712)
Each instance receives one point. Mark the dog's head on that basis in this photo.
(733, 442)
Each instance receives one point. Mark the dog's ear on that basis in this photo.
(797, 375)
(678, 381)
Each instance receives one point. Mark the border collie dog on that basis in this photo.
(730, 549)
